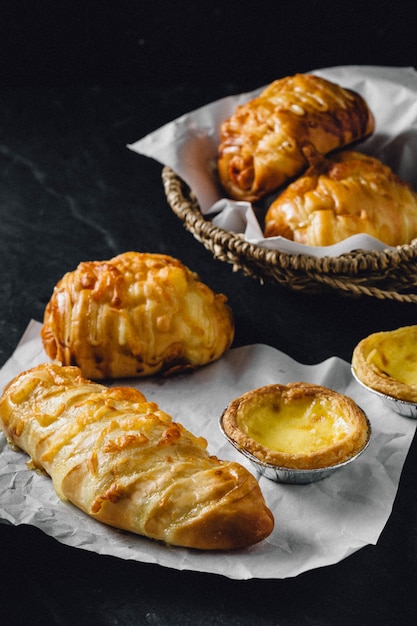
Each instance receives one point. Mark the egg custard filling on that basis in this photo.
(305, 425)
(387, 362)
(298, 425)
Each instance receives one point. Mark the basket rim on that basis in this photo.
(188, 210)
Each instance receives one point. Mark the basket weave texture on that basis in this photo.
(391, 274)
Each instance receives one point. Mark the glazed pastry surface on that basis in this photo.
(137, 314)
(124, 462)
(298, 426)
(269, 140)
(343, 195)
(386, 362)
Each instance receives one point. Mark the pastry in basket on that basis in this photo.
(386, 362)
(124, 462)
(341, 195)
(298, 426)
(267, 141)
(137, 314)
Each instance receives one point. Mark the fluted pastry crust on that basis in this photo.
(386, 362)
(267, 141)
(125, 462)
(138, 314)
(343, 195)
(297, 426)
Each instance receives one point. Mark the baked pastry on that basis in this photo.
(386, 362)
(137, 314)
(299, 426)
(125, 462)
(268, 141)
(342, 195)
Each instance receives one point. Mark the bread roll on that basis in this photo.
(125, 462)
(343, 195)
(263, 144)
(137, 314)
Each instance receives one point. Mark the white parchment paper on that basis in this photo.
(315, 525)
(189, 145)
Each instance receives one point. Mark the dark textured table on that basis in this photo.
(75, 89)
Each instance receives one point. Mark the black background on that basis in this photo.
(157, 42)
(78, 81)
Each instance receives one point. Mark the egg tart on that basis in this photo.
(300, 426)
(386, 362)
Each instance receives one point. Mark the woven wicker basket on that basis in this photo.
(391, 274)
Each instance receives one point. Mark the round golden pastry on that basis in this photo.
(138, 314)
(345, 194)
(297, 426)
(386, 361)
(263, 143)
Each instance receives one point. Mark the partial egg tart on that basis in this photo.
(298, 426)
(386, 362)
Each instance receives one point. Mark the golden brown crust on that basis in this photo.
(386, 362)
(263, 144)
(343, 195)
(137, 314)
(344, 433)
(125, 462)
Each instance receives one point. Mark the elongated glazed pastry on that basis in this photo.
(125, 462)
(268, 140)
(137, 314)
(343, 195)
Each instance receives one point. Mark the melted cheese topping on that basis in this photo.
(305, 425)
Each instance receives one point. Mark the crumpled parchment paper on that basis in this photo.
(189, 144)
(315, 525)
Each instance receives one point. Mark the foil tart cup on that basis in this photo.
(402, 407)
(291, 475)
